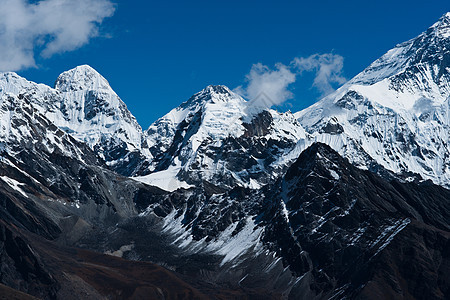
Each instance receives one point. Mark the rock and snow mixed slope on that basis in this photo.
(396, 111)
(219, 138)
(324, 229)
(23, 128)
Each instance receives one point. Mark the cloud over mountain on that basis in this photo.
(327, 68)
(47, 27)
(274, 84)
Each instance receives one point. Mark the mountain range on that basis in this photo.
(224, 198)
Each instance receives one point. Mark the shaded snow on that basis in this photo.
(165, 180)
(14, 184)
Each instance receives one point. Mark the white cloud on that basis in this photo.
(267, 87)
(47, 27)
(328, 69)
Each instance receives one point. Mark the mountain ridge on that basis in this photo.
(408, 89)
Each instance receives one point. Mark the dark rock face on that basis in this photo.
(349, 99)
(185, 130)
(260, 125)
(341, 223)
(332, 128)
(21, 268)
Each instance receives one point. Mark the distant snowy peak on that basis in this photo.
(81, 78)
(221, 111)
(414, 76)
(211, 94)
(88, 93)
(91, 108)
(12, 83)
(442, 27)
(217, 105)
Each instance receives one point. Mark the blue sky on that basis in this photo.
(156, 54)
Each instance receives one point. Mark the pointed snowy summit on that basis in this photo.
(211, 94)
(81, 78)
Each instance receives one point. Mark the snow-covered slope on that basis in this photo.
(396, 111)
(218, 137)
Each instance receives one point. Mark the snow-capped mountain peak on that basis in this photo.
(212, 94)
(83, 77)
(94, 113)
(11, 83)
(215, 137)
(395, 111)
(84, 105)
(219, 106)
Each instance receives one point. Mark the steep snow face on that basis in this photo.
(11, 83)
(396, 111)
(216, 136)
(84, 105)
(24, 129)
(81, 78)
(93, 112)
